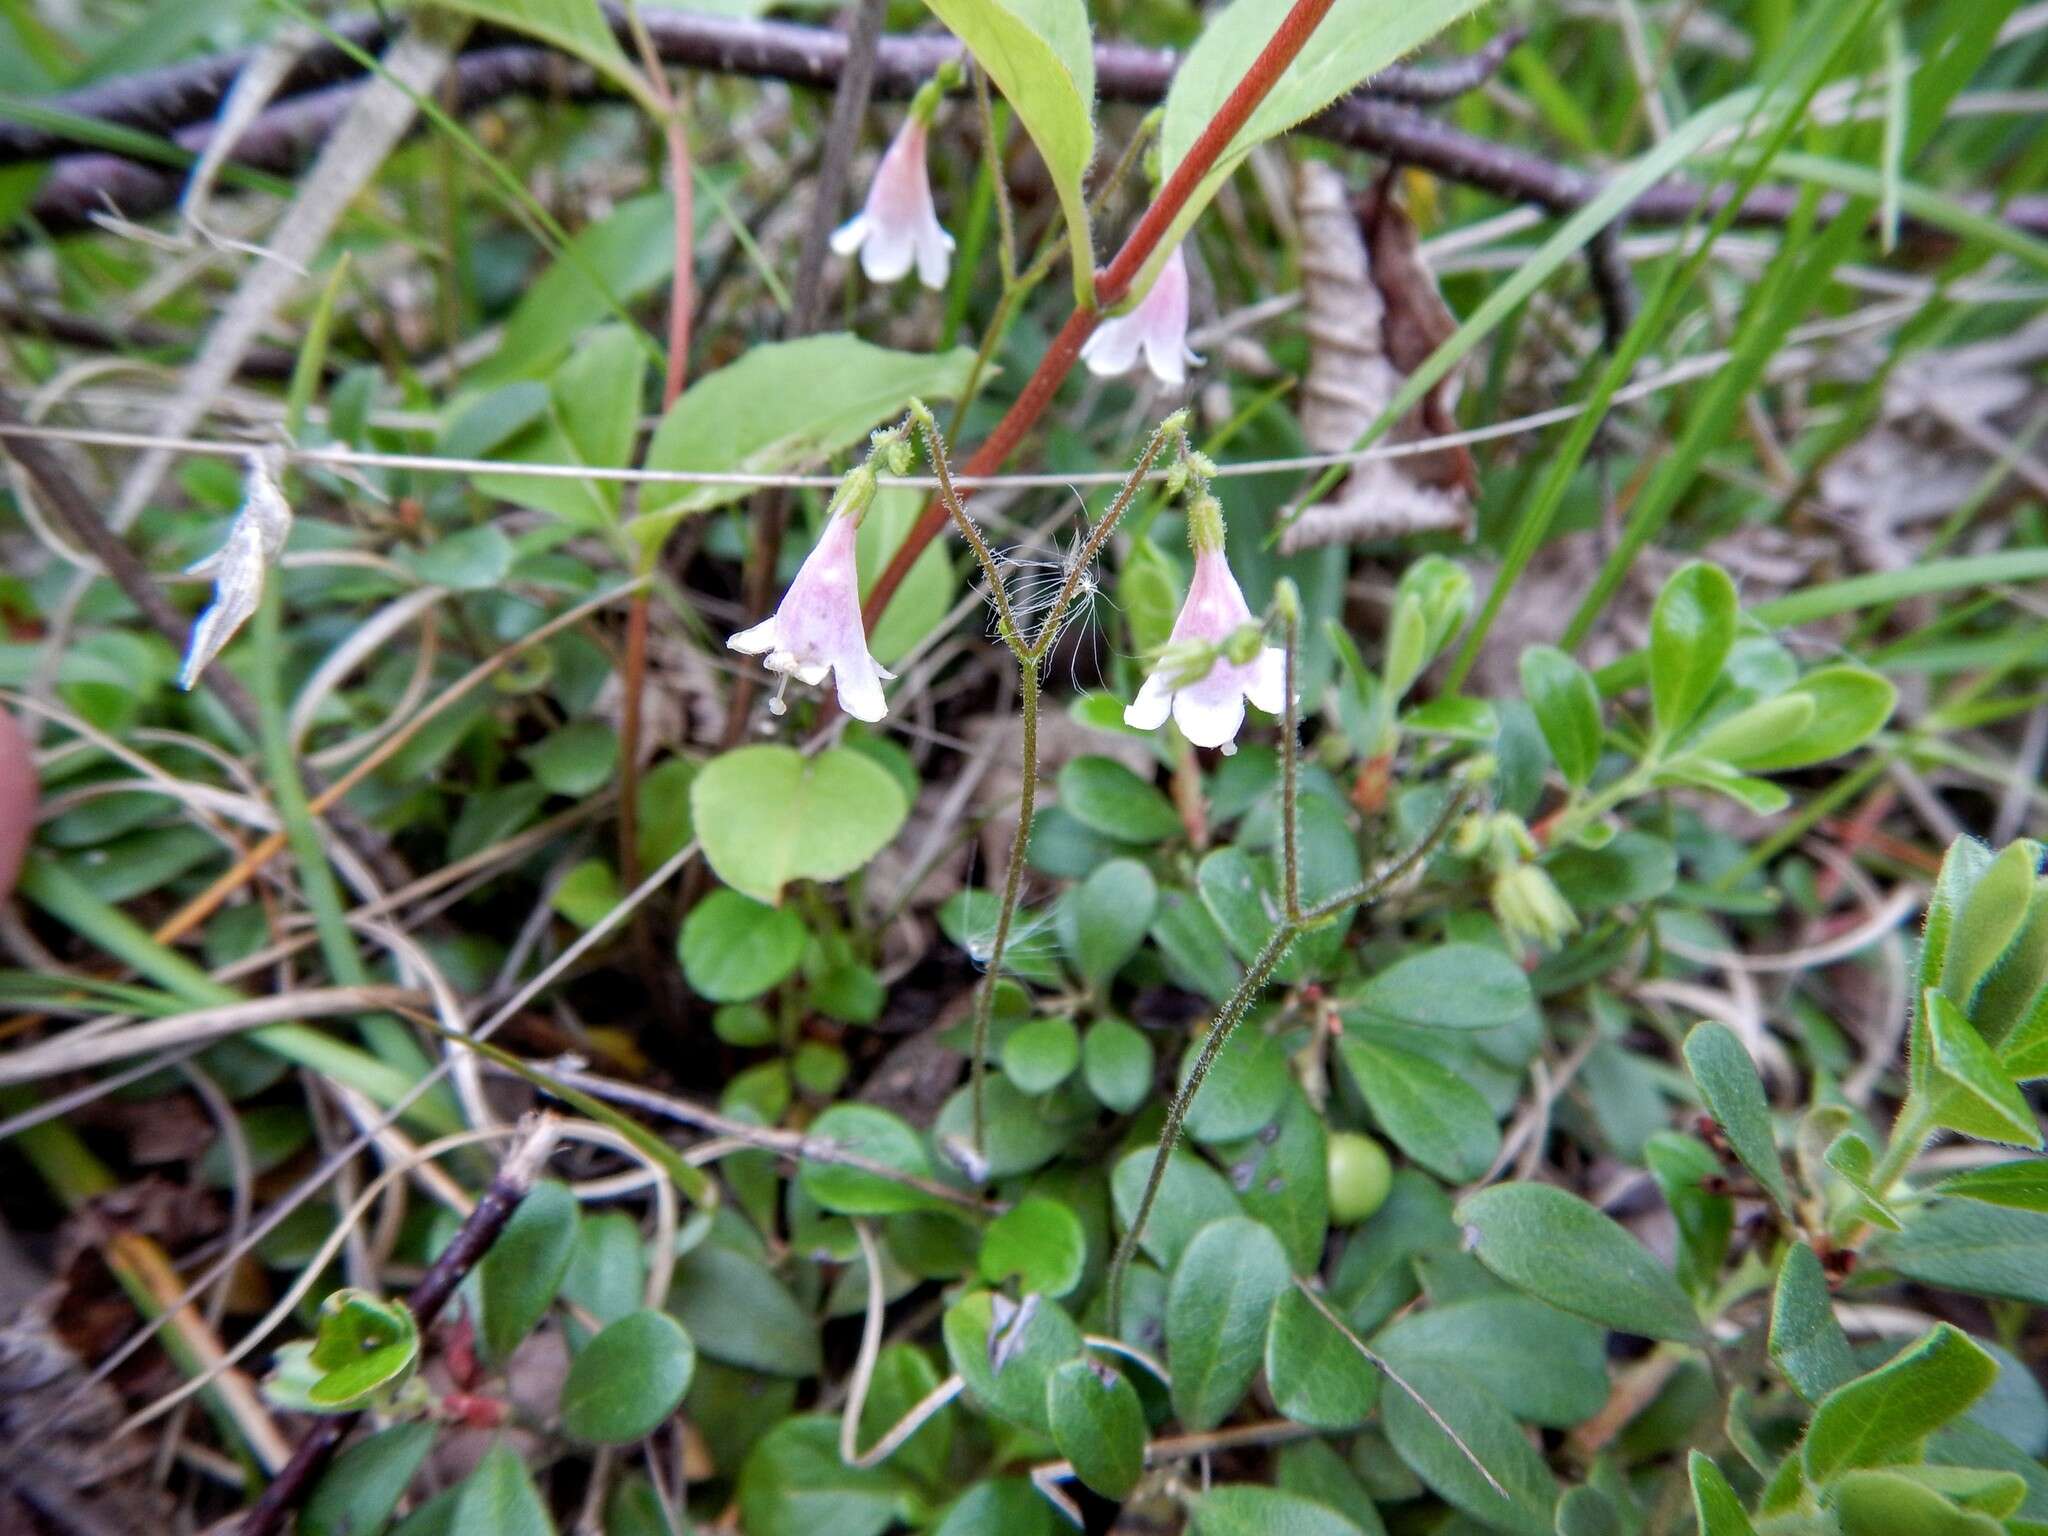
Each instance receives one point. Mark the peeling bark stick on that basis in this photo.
(515, 1178)
(179, 95)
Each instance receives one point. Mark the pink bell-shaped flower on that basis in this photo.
(1157, 327)
(1196, 680)
(817, 628)
(899, 226)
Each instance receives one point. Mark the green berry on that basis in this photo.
(1360, 1177)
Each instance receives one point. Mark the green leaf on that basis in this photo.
(1041, 55)
(1355, 40)
(628, 1379)
(1755, 731)
(767, 815)
(1281, 1173)
(1243, 1090)
(904, 1376)
(1807, 1343)
(1850, 705)
(1191, 1196)
(620, 258)
(590, 415)
(1734, 1096)
(1961, 1245)
(794, 1484)
(1630, 869)
(1246, 1509)
(1022, 1133)
(1968, 1090)
(575, 27)
(474, 560)
(1042, 1054)
(1523, 1229)
(1218, 1304)
(517, 1280)
(2021, 1185)
(1103, 919)
(1886, 1416)
(1116, 1064)
(587, 893)
(1486, 1430)
(1003, 1506)
(1852, 1157)
(782, 405)
(1893, 1504)
(1039, 1243)
(1542, 1365)
(734, 948)
(1429, 1112)
(1098, 1424)
(736, 1311)
(1317, 1377)
(356, 1496)
(576, 760)
(499, 1499)
(1450, 986)
(608, 1273)
(1714, 1504)
(1196, 951)
(879, 1137)
(1101, 793)
(1692, 627)
(1006, 1351)
(1989, 919)
(1567, 708)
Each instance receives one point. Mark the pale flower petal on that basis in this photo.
(1157, 327)
(1267, 685)
(1210, 709)
(817, 632)
(1148, 711)
(899, 228)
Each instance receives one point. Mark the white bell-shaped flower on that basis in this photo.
(1196, 681)
(899, 226)
(817, 628)
(1157, 327)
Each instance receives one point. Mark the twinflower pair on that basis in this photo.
(1214, 661)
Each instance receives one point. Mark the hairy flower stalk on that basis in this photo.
(817, 627)
(1030, 652)
(1156, 328)
(899, 226)
(1216, 658)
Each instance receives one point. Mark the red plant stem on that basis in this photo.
(1112, 283)
(682, 296)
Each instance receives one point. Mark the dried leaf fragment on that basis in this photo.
(255, 540)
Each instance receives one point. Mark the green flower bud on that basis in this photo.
(1531, 908)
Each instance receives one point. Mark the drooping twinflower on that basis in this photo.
(1525, 900)
(1216, 658)
(1157, 326)
(817, 627)
(899, 227)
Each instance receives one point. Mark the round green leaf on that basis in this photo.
(500, 1498)
(1243, 1090)
(576, 760)
(1098, 1424)
(768, 815)
(1040, 1243)
(1101, 793)
(360, 1491)
(1191, 1195)
(1316, 1375)
(1246, 1509)
(877, 1137)
(1555, 1246)
(1005, 1350)
(1103, 920)
(1116, 1063)
(1217, 1308)
(1692, 627)
(1428, 1111)
(1450, 986)
(1042, 1054)
(628, 1379)
(795, 1483)
(733, 948)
